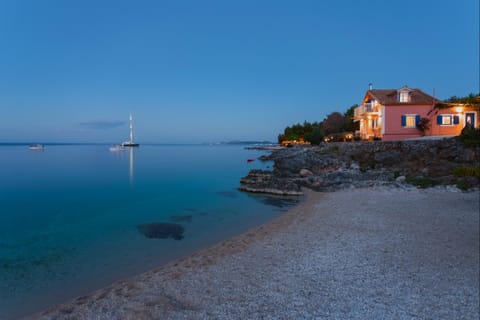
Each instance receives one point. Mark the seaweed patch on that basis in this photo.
(160, 230)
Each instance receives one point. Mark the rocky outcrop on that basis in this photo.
(336, 166)
(262, 181)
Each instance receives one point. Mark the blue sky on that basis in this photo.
(198, 71)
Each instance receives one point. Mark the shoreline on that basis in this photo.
(202, 258)
(291, 261)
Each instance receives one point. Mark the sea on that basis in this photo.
(77, 217)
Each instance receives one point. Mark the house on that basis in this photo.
(396, 114)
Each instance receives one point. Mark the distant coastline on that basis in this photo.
(235, 142)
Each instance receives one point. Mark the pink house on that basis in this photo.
(394, 114)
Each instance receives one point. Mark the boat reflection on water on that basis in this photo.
(131, 166)
(116, 148)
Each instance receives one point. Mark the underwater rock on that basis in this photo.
(280, 202)
(187, 218)
(161, 230)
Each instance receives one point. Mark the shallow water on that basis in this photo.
(71, 215)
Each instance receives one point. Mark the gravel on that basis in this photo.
(373, 253)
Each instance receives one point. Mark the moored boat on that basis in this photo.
(116, 148)
(130, 143)
(36, 146)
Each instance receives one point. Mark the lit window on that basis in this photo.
(410, 120)
(448, 120)
(404, 96)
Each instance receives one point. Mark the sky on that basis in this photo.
(216, 70)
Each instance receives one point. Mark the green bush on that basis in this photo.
(470, 136)
(422, 182)
(465, 185)
(467, 172)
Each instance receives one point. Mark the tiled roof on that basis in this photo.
(390, 96)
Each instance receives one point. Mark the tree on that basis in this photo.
(317, 136)
(307, 131)
(314, 132)
(333, 123)
(351, 126)
(472, 100)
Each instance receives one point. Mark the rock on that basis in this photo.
(305, 173)
(161, 230)
(280, 192)
(336, 166)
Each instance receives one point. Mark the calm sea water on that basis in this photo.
(69, 214)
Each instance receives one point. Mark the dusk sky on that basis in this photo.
(200, 71)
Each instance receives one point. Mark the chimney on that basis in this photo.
(370, 86)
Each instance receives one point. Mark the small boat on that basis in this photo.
(116, 148)
(130, 143)
(250, 160)
(36, 146)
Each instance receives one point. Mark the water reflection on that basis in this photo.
(130, 172)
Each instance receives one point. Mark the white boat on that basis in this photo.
(116, 148)
(36, 146)
(130, 143)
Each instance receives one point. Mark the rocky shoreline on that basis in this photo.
(336, 166)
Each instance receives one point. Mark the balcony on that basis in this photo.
(365, 108)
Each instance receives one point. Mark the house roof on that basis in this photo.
(390, 96)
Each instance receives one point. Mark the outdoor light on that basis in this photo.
(459, 109)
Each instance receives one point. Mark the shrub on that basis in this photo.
(470, 136)
(465, 185)
(423, 125)
(422, 182)
(467, 172)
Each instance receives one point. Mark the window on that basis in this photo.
(410, 120)
(448, 120)
(376, 123)
(404, 96)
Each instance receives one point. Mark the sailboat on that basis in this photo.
(130, 143)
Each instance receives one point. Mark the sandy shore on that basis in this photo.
(377, 253)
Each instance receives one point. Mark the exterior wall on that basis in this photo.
(455, 128)
(393, 129)
(392, 121)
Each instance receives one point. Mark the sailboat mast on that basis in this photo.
(131, 129)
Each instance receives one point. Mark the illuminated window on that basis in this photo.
(404, 96)
(448, 120)
(410, 120)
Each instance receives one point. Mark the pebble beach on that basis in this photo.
(370, 253)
